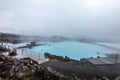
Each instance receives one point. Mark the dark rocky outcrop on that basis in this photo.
(60, 58)
(26, 69)
(13, 53)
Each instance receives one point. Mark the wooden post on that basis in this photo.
(116, 58)
(39, 55)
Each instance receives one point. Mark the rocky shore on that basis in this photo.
(26, 69)
(58, 68)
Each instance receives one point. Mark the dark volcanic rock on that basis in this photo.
(27, 69)
(60, 58)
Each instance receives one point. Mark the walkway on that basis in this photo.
(23, 54)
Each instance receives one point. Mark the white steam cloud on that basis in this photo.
(93, 18)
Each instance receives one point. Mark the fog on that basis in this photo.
(74, 18)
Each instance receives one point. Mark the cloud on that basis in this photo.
(95, 18)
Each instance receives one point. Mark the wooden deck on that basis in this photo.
(102, 60)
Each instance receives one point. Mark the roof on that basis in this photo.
(103, 60)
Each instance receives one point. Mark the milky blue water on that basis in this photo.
(74, 50)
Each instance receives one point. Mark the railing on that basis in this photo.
(35, 56)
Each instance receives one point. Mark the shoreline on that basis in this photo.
(56, 68)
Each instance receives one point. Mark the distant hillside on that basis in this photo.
(58, 39)
(90, 40)
(16, 38)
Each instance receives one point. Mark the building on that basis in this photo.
(110, 59)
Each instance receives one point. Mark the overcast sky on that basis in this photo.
(92, 18)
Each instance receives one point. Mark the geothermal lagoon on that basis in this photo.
(74, 50)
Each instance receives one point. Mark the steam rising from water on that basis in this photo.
(89, 18)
